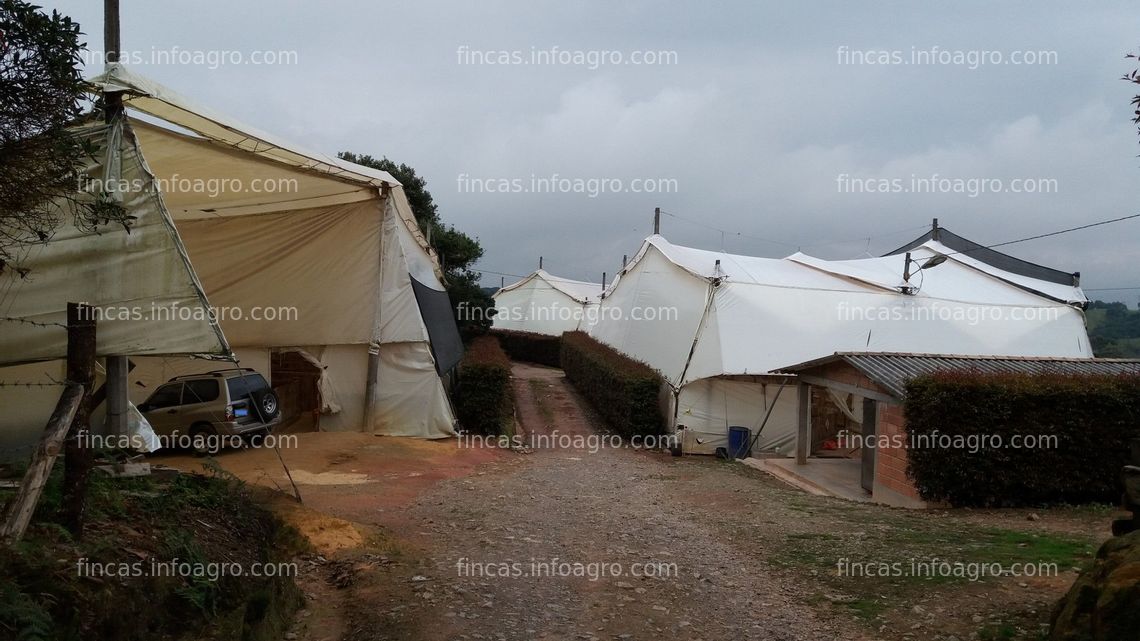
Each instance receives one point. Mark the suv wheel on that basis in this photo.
(201, 441)
(267, 404)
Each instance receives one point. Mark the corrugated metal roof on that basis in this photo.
(893, 370)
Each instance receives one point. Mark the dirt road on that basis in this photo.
(433, 541)
(520, 554)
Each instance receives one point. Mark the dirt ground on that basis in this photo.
(437, 540)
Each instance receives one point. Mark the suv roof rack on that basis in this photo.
(217, 373)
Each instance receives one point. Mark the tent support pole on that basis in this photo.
(117, 395)
(370, 387)
(692, 350)
(697, 336)
(768, 414)
(112, 100)
(372, 378)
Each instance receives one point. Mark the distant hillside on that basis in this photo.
(1114, 330)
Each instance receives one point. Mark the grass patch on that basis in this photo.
(59, 584)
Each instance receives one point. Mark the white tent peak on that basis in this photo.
(801, 270)
(210, 124)
(153, 99)
(579, 290)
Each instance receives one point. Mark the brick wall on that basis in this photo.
(890, 462)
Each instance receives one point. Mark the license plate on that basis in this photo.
(239, 412)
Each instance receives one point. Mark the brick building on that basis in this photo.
(873, 386)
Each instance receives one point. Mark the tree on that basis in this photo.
(1134, 78)
(41, 98)
(457, 251)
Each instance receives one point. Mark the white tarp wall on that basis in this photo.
(111, 269)
(546, 304)
(751, 316)
(706, 406)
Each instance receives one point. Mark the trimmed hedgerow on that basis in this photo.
(484, 401)
(530, 347)
(625, 392)
(1080, 427)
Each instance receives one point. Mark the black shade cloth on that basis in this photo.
(435, 309)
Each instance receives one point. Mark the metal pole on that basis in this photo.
(112, 101)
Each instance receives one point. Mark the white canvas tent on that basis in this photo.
(722, 322)
(543, 303)
(296, 250)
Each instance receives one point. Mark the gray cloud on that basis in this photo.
(755, 122)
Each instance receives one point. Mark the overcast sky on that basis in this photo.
(759, 119)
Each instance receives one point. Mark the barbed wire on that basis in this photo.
(28, 321)
(31, 384)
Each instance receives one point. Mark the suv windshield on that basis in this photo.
(241, 386)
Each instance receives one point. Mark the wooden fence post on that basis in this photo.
(78, 459)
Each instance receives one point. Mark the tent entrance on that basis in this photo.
(296, 381)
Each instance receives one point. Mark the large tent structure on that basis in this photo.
(722, 323)
(294, 252)
(543, 303)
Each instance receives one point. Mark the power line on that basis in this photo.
(1052, 233)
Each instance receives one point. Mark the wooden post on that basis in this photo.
(78, 459)
(656, 220)
(43, 459)
(803, 432)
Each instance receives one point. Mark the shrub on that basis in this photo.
(625, 392)
(484, 402)
(1089, 419)
(530, 347)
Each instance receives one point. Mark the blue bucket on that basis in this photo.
(739, 440)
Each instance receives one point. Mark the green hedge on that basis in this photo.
(624, 391)
(484, 402)
(1092, 419)
(530, 347)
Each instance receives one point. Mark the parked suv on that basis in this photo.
(207, 411)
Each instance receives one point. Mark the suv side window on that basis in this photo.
(200, 391)
(168, 395)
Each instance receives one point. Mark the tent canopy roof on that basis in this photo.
(161, 102)
(213, 145)
(956, 279)
(581, 291)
